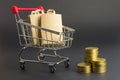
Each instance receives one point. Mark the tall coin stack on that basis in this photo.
(91, 59)
(91, 54)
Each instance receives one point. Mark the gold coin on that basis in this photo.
(88, 59)
(101, 59)
(99, 62)
(99, 70)
(91, 50)
(91, 55)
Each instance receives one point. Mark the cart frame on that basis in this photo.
(23, 28)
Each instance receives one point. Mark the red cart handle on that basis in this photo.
(15, 9)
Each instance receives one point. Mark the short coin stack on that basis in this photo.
(84, 67)
(92, 62)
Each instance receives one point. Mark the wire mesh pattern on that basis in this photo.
(25, 37)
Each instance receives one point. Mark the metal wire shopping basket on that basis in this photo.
(25, 40)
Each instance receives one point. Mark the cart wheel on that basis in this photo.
(66, 63)
(52, 69)
(22, 66)
(41, 56)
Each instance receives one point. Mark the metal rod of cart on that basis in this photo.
(25, 37)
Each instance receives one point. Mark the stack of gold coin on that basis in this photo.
(92, 62)
(91, 54)
(84, 67)
(99, 66)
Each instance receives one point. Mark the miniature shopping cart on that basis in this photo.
(25, 38)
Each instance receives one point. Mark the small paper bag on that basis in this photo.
(35, 19)
(51, 21)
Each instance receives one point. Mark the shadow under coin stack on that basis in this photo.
(92, 62)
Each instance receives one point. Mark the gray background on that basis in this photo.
(96, 22)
